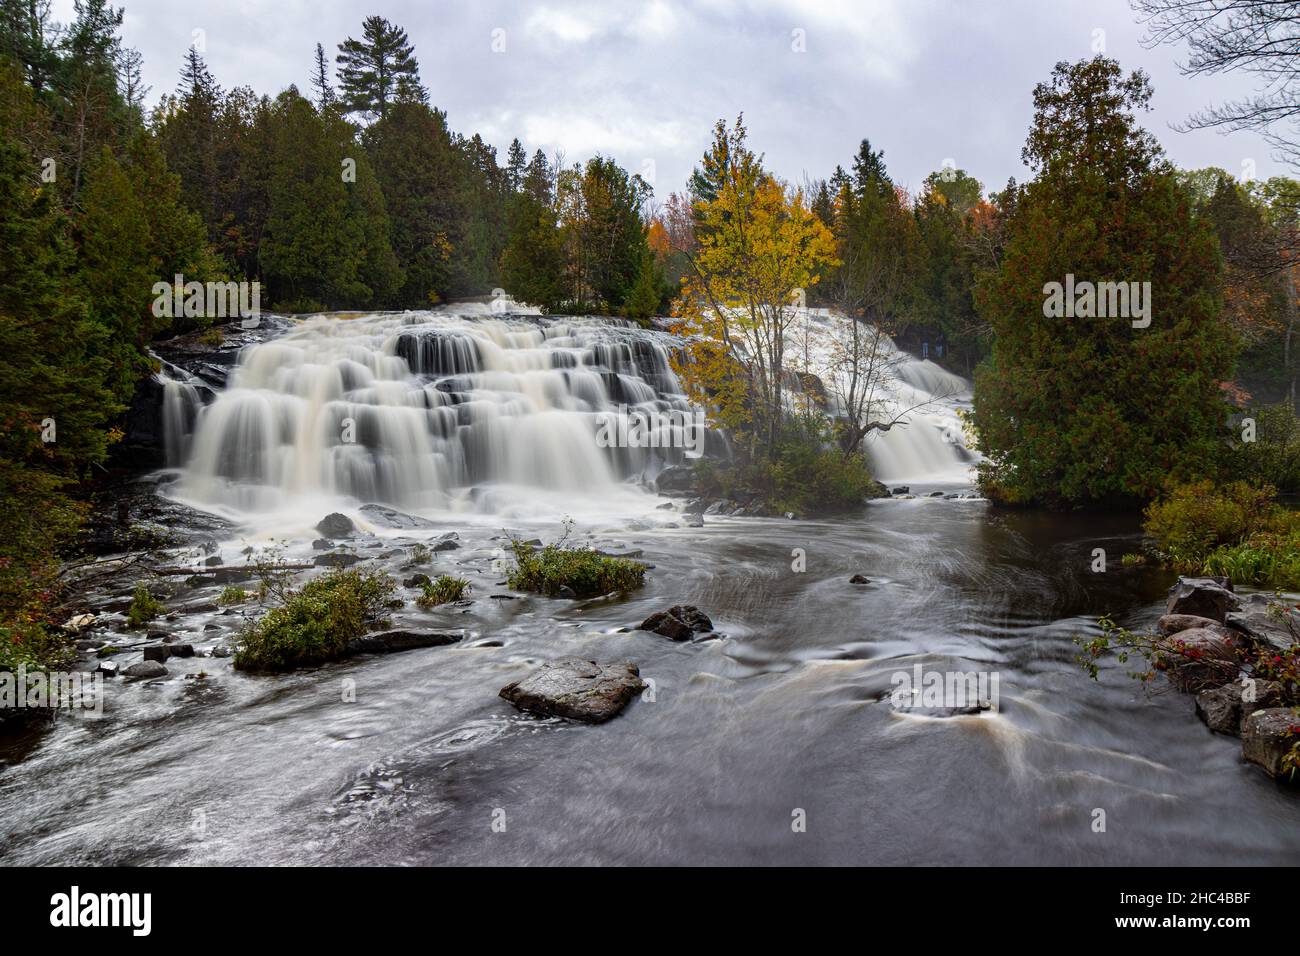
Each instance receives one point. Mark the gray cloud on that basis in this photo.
(644, 81)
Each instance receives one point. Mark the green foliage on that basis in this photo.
(1236, 529)
(315, 623)
(584, 572)
(1273, 458)
(378, 70)
(1192, 669)
(144, 607)
(807, 474)
(1064, 407)
(442, 591)
(231, 594)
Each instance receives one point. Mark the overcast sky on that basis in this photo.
(924, 80)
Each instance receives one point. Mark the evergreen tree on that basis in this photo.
(378, 70)
(516, 165)
(320, 79)
(1077, 410)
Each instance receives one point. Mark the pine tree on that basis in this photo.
(378, 70)
(320, 80)
(516, 165)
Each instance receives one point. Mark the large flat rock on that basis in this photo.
(577, 689)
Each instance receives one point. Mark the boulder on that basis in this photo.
(335, 525)
(146, 669)
(390, 642)
(1173, 623)
(180, 649)
(576, 689)
(448, 542)
(1198, 658)
(680, 622)
(156, 652)
(1267, 736)
(222, 650)
(335, 559)
(107, 668)
(387, 517)
(1220, 708)
(78, 623)
(322, 544)
(416, 581)
(859, 579)
(1275, 628)
(901, 490)
(692, 520)
(1202, 597)
(678, 478)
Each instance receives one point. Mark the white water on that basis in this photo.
(927, 446)
(460, 409)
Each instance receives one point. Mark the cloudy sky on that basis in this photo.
(925, 80)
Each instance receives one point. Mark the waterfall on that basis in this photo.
(415, 409)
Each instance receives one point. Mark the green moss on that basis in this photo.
(316, 623)
(584, 572)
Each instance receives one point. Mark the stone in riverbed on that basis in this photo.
(1199, 658)
(1173, 623)
(448, 542)
(416, 581)
(1267, 736)
(107, 668)
(336, 559)
(576, 689)
(181, 650)
(680, 622)
(146, 669)
(1271, 629)
(390, 642)
(336, 525)
(901, 490)
(391, 518)
(692, 520)
(157, 652)
(859, 579)
(1210, 597)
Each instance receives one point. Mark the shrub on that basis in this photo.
(443, 590)
(144, 607)
(1273, 458)
(584, 572)
(316, 623)
(420, 554)
(232, 594)
(1236, 529)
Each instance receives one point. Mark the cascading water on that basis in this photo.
(927, 445)
(433, 410)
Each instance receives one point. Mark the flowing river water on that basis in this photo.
(484, 426)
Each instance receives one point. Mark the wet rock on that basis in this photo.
(146, 669)
(208, 607)
(1267, 621)
(901, 490)
(1220, 708)
(1210, 597)
(1198, 658)
(214, 561)
(935, 494)
(181, 649)
(335, 525)
(630, 554)
(78, 623)
(576, 689)
(322, 544)
(680, 622)
(90, 644)
(692, 520)
(390, 642)
(859, 579)
(390, 518)
(1173, 623)
(678, 478)
(666, 506)
(222, 650)
(448, 542)
(567, 593)
(107, 668)
(1267, 736)
(336, 559)
(108, 651)
(156, 652)
(416, 581)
